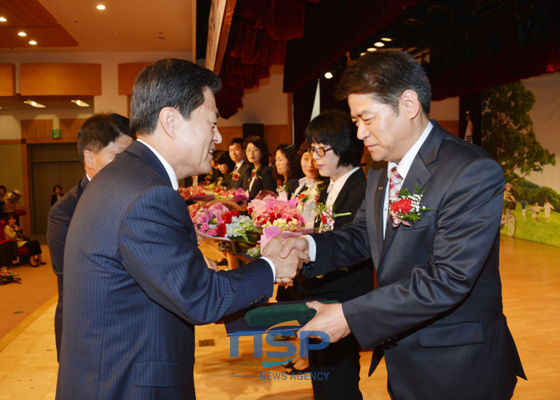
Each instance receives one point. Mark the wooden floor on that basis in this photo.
(531, 290)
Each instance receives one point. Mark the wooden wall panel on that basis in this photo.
(7, 80)
(451, 127)
(69, 128)
(273, 135)
(36, 128)
(127, 75)
(49, 79)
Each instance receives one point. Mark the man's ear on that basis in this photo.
(89, 159)
(410, 103)
(167, 119)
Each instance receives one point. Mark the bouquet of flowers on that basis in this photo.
(216, 220)
(212, 192)
(279, 212)
(7, 276)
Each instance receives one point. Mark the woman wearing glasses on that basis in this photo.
(337, 153)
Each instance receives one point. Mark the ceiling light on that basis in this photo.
(32, 42)
(371, 49)
(3, 19)
(34, 104)
(22, 34)
(379, 44)
(100, 7)
(80, 103)
(328, 75)
(386, 39)
(363, 54)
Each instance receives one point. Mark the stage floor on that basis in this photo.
(531, 290)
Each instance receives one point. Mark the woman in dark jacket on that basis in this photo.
(261, 177)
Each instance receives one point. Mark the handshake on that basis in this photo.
(287, 255)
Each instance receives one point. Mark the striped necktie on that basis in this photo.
(395, 181)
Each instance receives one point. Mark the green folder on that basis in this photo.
(276, 313)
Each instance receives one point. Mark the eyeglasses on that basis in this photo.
(320, 151)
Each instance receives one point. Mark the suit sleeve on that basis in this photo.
(57, 229)
(159, 250)
(342, 247)
(468, 221)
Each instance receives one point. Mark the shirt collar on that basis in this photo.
(166, 165)
(404, 166)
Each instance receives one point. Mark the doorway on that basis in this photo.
(51, 164)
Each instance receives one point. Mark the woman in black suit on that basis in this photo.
(337, 153)
(261, 177)
(287, 167)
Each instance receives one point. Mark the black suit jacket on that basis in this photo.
(244, 173)
(135, 284)
(264, 181)
(356, 279)
(59, 219)
(437, 311)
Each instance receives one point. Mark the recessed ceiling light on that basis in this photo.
(80, 103)
(386, 39)
(34, 104)
(328, 75)
(3, 19)
(100, 7)
(379, 44)
(371, 49)
(22, 34)
(363, 54)
(33, 43)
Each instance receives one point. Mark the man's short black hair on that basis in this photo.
(100, 130)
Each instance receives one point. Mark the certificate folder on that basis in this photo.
(290, 315)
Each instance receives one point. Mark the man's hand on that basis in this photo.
(286, 267)
(211, 264)
(297, 244)
(329, 319)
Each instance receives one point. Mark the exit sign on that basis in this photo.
(56, 133)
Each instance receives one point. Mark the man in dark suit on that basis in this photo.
(135, 280)
(436, 314)
(242, 169)
(100, 139)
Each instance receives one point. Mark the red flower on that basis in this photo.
(227, 217)
(221, 230)
(236, 176)
(402, 206)
(252, 174)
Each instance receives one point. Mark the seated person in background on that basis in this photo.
(287, 168)
(261, 177)
(3, 197)
(57, 194)
(225, 166)
(14, 233)
(215, 174)
(242, 169)
(12, 204)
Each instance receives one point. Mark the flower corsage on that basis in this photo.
(235, 176)
(406, 207)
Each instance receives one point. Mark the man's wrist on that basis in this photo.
(311, 247)
(269, 261)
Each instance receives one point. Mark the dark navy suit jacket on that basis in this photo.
(136, 284)
(60, 216)
(437, 311)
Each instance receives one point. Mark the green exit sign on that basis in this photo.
(56, 133)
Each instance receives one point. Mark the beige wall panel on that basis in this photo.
(46, 79)
(36, 128)
(127, 75)
(7, 79)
